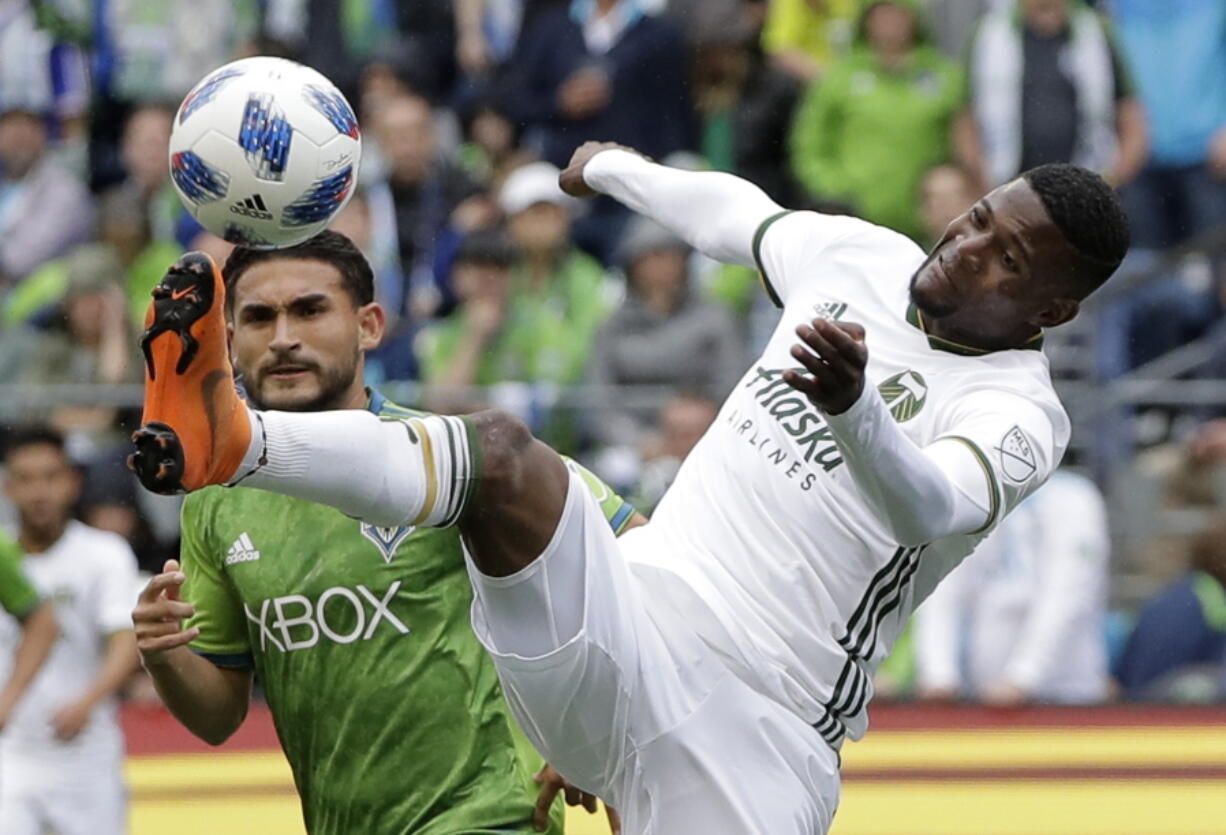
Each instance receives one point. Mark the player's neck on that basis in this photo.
(357, 397)
(950, 330)
(38, 540)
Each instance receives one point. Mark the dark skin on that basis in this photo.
(1001, 273)
(983, 285)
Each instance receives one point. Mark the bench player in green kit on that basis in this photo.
(388, 709)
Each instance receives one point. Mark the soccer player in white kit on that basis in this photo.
(61, 754)
(701, 673)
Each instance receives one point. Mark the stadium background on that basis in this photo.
(805, 97)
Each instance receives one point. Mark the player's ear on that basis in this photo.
(372, 321)
(1056, 312)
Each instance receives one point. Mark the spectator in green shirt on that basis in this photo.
(881, 117)
(530, 301)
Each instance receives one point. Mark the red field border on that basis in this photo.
(907, 717)
(980, 774)
(152, 730)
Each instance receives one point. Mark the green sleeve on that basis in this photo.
(814, 142)
(219, 611)
(617, 510)
(18, 596)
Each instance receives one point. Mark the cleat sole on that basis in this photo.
(158, 460)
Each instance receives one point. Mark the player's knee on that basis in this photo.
(505, 443)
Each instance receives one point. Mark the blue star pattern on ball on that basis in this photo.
(265, 136)
(196, 179)
(205, 91)
(320, 200)
(333, 105)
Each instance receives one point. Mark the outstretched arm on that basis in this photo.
(716, 213)
(920, 493)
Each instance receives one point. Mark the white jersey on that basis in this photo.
(1027, 607)
(90, 576)
(783, 566)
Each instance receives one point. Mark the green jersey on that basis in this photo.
(18, 596)
(389, 710)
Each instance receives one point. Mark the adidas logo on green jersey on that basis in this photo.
(242, 550)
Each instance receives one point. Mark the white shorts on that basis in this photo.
(623, 698)
(61, 793)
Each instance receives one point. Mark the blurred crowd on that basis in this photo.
(608, 334)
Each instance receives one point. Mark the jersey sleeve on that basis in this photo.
(18, 596)
(219, 611)
(788, 246)
(117, 586)
(1015, 445)
(616, 510)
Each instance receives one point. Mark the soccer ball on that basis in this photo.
(264, 152)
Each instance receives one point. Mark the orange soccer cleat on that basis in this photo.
(194, 430)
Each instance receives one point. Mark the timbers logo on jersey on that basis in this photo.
(905, 394)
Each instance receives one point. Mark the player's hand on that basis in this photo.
(551, 782)
(1217, 154)
(158, 616)
(585, 93)
(70, 720)
(1003, 694)
(571, 179)
(835, 356)
(6, 710)
(937, 695)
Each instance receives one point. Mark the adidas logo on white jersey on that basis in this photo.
(242, 550)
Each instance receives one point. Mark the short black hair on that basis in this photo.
(1088, 213)
(328, 247)
(35, 434)
(487, 247)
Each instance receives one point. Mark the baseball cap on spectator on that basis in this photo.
(643, 236)
(536, 182)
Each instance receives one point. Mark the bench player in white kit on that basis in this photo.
(701, 673)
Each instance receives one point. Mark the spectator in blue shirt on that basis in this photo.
(1177, 52)
(600, 68)
(1181, 633)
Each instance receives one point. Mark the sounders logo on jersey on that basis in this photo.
(387, 540)
(340, 615)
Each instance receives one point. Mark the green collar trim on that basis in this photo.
(916, 320)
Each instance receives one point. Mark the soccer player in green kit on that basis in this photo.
(388, 709)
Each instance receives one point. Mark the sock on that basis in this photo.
(406, 471)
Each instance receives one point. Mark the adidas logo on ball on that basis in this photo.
(252, 207)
